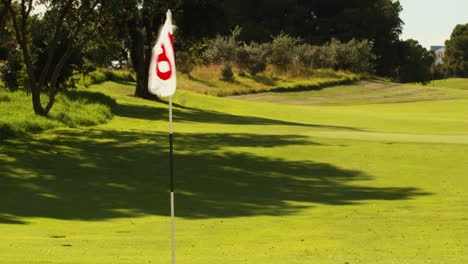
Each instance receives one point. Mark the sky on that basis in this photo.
(431, 21)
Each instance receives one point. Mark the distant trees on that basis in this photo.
(414, 63)
(318, 22)
(456, 55)
(287, 54)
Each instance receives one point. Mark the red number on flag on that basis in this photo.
(162, 62)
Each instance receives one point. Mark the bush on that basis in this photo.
(227, 74)
(252, 58)
(222, 49)
(12, 71)
(282, 51)
(101, 75)
(185, 63)
(355, 56)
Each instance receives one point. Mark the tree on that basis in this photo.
(138, 22)
(5, 36)
(318, 22)
(415, 62)
(71, 25)
(456, 55)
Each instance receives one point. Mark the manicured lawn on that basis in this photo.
(256, 182)
(458, 83)
(364, 92)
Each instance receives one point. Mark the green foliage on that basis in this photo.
(415, 63)
(73, 109)
(223, 49)
(355, 56)
(12, 73)
(456, 55)
(282, 51)
(185, 62)
(252, 57)
(103, 75)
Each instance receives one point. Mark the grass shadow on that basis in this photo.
(103, 174)
(204, 82)
(268, 81)
(188, 114)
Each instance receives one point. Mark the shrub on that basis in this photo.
(12, 71)
(252, 58)
(304, 54)
(102, 75)
(185, 62)
(222, 49)
(355, 56)
(227, 74)
(282, 51)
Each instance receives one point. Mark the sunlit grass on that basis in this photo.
(458, 83)
(71, 109)
(364, 92)
(256, 182)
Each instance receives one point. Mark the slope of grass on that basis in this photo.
(457, 83)
(256, 182)
(205, 80)
(72, 109)
(363, 92)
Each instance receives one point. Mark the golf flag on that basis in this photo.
(162, 72)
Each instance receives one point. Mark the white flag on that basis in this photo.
(162, 72)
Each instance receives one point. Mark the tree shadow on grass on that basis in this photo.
(102, 174)
(204, 82)
(268, 81)
(195, 115)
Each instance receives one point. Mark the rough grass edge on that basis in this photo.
(73, 109)
(299, 87)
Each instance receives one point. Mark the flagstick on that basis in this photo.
(172, 179)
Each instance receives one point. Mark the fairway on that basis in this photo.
(331, 176)
(368, 92)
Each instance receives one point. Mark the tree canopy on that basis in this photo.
(457, 51)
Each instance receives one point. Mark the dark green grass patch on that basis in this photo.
(72, 109)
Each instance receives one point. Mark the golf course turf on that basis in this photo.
(256, 182)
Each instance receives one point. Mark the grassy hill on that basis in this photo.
(367, 92)
(257, 182)
(205, 80)
(457, 83)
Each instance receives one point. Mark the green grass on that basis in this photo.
(457, 83)
(256, 182)
(102, 75)
(71, 109)
(364, 92)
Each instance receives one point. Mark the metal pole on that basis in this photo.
(171, 158)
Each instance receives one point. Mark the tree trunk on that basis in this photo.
(140, 56)
(36, 100)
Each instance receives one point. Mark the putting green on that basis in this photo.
(256, 182)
